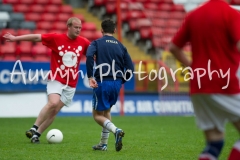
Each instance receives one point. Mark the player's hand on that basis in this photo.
(9, 37)
(93, 83)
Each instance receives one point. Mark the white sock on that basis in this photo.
(237, 145)
(34, 129)
(110, 126)
(104, 136)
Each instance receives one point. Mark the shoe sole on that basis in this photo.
(96, 149)
(29, 134)
(118, 144)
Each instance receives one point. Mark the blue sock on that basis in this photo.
(214, 148)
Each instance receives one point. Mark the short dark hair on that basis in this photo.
(108, 26)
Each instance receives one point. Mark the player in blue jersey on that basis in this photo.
(113, 68)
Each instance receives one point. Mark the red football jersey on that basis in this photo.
(213, 31)
(66, 56)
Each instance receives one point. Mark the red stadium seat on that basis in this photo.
(56, 2)
(9, 58)
(167, 1)
(172, 23)
(44, 25)
(150, 13)
(90, 26)
(10, 1)
(87, 34)
(150, 6)
(26, 58)
(162, 14)
(155, 1)
(124, 6)
(42, 2)
(135, 15)
(21, 8)
(23, 31)
(178, 8)
(41, 59)
(25, 48)
(32, 17)
(79, 16)
(39, 31)
(99, 2)
(158, 42)
(170, 31)
(111, 7)
(56, 31)
(135, 6)
(62, 17)
(39, 50)
(66, 9)
(146, 33)
(97, 34)
(26, 2)
(141, 1)
(159, 23)
(61, 26)
(177, 15)
(51, 9)
(165, 7)
(36, 8)
(124, 15)
(144, 22)
(136, 24)
(8, 48)
(49, 17)
(157, 31)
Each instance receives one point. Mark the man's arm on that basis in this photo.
(90, 63)
(90, 59)
(179, 55)
(28, 37)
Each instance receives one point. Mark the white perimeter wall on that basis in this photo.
(22, 104)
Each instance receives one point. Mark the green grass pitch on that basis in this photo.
(146, 138)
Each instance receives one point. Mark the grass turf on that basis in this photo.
(147, 137)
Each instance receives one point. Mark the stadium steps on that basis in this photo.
(134, 51)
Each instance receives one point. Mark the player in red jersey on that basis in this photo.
(67, 50)
(214, 34)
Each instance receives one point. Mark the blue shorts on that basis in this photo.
(106, 95)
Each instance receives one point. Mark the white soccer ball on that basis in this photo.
(54, 136)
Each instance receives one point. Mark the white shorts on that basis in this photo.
(214, 110)
(66, 92)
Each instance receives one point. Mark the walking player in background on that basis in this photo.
(214, 34)
(67, 50)
(110, 55)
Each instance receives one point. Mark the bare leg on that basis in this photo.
(100, 116)
(50, 119)
(48, 112)
(213, 135)
(215, 141)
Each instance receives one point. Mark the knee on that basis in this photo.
(52, 104)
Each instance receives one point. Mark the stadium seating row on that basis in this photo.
(146, 20)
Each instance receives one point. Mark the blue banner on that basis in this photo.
(135, 105)
(31, 77)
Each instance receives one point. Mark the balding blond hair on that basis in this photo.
(70, 20)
